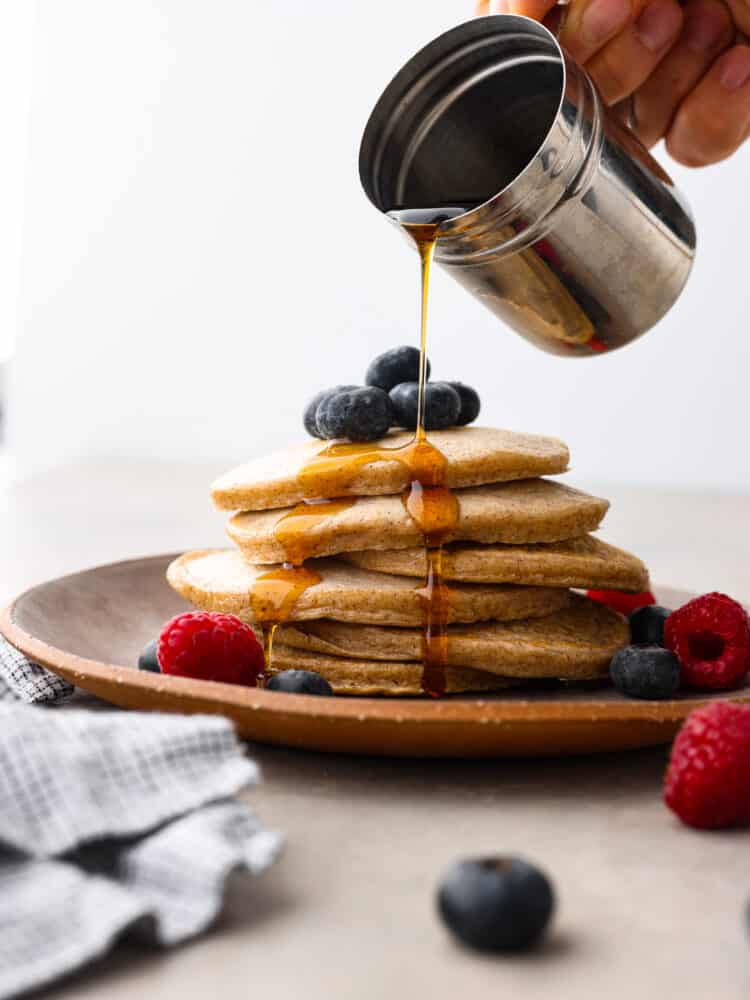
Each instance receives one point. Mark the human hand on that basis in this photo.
(685, 68)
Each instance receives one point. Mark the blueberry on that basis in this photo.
(358, 414)
(496, 904)
(299, 682)
(645, 672)
(148, 659)
(647, 625)
(400, 364)
(310, 416)
(442, 405)
(470, 404)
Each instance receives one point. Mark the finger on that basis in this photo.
(590, 24)
(538, 9)
(714, 118)
(707, 30)
(740, 11)
(629, 59)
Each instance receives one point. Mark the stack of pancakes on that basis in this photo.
(520, 545)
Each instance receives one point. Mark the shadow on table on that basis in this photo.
(614, 776)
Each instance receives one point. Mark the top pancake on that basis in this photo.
(474, 456)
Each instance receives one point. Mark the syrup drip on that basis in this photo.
(294, 531)
(273, 597)
(436, 603)
(274, 594)
(333, 472)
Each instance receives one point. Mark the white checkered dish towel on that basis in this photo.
(111, 823)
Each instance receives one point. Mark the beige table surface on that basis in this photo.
(647, 908)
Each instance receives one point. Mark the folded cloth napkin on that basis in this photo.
(22, 680)
(111, 823)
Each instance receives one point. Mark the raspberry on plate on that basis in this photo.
(620, 600)
(211, 647)
(711, 638)
(708, 778)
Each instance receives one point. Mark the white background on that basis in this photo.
(198, 257)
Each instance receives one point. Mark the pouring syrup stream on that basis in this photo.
(427, 498)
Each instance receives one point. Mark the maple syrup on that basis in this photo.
(273, 596)
(275, 593)
(293, 532)
(427, 498)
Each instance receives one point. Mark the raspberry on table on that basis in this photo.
(708, 779)
(620, 600)
(711, 638)
(211, 647)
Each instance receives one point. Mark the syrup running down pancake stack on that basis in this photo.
(410, 566)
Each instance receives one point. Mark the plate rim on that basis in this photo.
(352, 709)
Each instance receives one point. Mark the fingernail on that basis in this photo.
(658, 24)
(703, 29)
(499, 7)
(735, 70)
(604, 18)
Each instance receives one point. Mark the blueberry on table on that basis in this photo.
(148, 659)
(442, 405)
(645, 672)
(299, 682)
(470, 404)
(496, 904)
(310, 417)
(358, 414)
(647, 625)
(400, 364)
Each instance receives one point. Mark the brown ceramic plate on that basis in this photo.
(90, 627)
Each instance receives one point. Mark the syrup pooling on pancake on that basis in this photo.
(275, 593)
(293, 530)
(273, 597)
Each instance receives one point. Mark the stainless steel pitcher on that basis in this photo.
(573, 234)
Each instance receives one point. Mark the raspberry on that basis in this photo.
(711, 638)
(620, 601)
(211, 647)
(708, 778)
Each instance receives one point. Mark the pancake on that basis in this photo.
(576, 643)
(220, 580)
(474, 456)
(583, 562)
(377, 677)
(535, 510)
